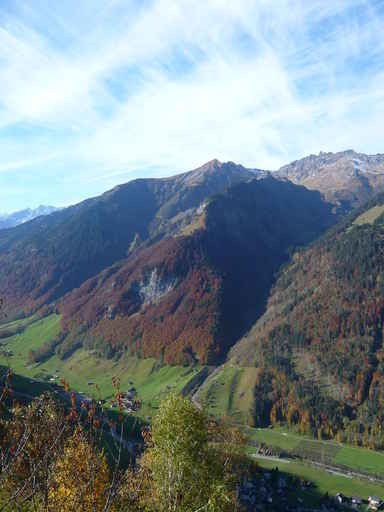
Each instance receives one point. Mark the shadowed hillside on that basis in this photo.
(319, 345)
(190, 298)
(43, 259)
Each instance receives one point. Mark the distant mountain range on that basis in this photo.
(347, 179)
(11, 220)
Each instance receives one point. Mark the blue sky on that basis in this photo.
(96, 92)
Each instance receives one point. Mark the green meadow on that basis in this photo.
(324, 481)
(326, 452)
(370, 215)
(230, 393)
(86, 372)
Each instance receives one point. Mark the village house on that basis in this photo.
(340, 498)
(131, 393)
(356, 501)
(375, 503)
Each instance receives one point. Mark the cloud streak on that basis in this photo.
(122, 89)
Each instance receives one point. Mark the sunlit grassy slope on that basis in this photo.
(328, 452)
(230, 393)
(86, 372)
(34, 336)
(16, 324)
(370, 216)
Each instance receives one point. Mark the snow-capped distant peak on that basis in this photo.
(11, 220)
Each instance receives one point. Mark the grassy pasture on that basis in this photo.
(152, 380)
(34, 336)
(361, 459)
(15, 326)
(315, 450)
(273, 437)
(326, 452)
(230, 393)
(325, 481)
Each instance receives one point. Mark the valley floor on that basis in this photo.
(332, 468)
(227, 392)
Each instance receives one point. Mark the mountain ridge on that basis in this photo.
(43, 259)
(64, 257)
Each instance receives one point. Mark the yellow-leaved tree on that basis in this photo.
(81, 478)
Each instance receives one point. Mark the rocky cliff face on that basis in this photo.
(152, 288)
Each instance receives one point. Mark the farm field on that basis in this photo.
(34, 336)
(361, 460)
(273, 437)
(87, 373)
(325, 482)
(15, 324)
(326, 452)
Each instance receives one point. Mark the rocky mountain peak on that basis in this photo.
(346, 178)
(214, 164)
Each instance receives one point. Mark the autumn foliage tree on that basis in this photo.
(81, 478)
(53, 459)
(32, 437)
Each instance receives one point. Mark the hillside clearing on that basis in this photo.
(369, 216)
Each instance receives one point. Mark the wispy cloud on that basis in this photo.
(24, 164)
(118, 89)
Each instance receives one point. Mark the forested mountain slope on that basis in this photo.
(319, 345)
(190, 297)
(43, 259)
